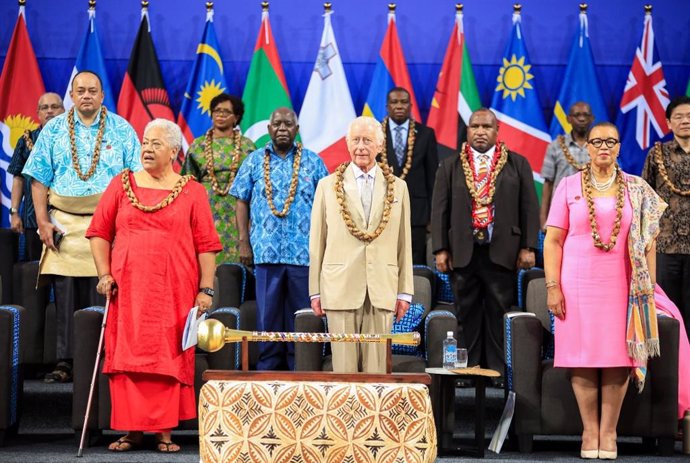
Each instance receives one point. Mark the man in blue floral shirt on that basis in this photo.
(275, 189)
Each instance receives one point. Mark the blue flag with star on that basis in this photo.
(206, 82)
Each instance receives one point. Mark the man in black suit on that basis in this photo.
(411, 152)
(482, 230)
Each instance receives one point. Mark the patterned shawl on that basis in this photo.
(642, 334)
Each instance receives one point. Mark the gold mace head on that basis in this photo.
(211, 335)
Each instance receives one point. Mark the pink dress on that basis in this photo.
(595, 283)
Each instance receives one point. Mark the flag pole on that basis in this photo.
(458, 8)
(327, 7)
(647, 9)
(583, 8)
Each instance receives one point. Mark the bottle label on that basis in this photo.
(450, 355)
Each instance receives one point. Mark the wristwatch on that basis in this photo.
(14, 210)
(207, 291)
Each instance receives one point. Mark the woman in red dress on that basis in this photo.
(154, 244)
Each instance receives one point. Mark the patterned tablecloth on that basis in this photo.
(287, 421)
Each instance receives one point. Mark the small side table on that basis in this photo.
(443, 403)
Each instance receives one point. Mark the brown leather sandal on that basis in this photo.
(124, 444)
(167, 447)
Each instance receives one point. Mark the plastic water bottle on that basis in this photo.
(450, 351)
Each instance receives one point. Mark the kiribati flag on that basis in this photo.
(516, 104)
(21, 85)
(206, 82)
(391, 71)
(642, 116)
(90, 58)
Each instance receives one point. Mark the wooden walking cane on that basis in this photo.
(93, 378)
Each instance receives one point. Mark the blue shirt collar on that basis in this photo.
(271, 149)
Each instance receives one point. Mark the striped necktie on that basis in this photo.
(481, 213)
(365, 196)
(398, 145)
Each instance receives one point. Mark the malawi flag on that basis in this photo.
(266, 88)
(21, 85)
(206, 82)
(642, 115)
(516, 104)
(143, 96)
(323, 130)
(390, 71)
(580, 82)
(90, 58)
(456, 95)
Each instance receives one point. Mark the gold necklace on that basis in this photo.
(27, 140)
(568, 156)
(345, 212)
(658, 157)
(96, 149)
(210, 168)
(620, 200)
(493, 174)
(410, 145)
(176, 190)
(293, 182)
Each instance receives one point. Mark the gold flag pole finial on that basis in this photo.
(264, 6)
(92, 4)
(22, 2)
(327, 7)
(583, 8)
(144, 4)
(209, 6)
(459, 7)
(648, 9)
(517, 8)
(391, 7)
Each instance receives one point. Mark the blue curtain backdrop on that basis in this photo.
(57, 28)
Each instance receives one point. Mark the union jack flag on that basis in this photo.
(641, 117)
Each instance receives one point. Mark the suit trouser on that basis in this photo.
(364, 357)
(673, 275)
(484, 292)
(419, 245)
(281, 290)
(72, 294)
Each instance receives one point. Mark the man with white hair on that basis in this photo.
(360, 272)
(74, 158)
(49, 106)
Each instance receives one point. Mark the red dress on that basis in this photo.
(154, 262)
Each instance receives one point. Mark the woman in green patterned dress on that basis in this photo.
(213, 159)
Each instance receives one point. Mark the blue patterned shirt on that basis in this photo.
(51, 159)
(278, 240)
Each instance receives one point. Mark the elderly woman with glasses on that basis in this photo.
(154, 245)
(213, 159)
(599, 260)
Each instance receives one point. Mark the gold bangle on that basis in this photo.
(552, 284)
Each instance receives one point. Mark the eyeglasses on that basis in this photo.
(609, 142)
(45, 107)
(222, 112)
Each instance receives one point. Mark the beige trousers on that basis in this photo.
(363, 357)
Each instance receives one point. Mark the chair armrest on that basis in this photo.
(436, 324)
(663, 380)
(87, 325)
(227, 358)
(523, 347)
(308, 355)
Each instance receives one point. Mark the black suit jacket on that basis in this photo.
(516, 213)
(420, 178)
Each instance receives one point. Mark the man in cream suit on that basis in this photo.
(360, 272)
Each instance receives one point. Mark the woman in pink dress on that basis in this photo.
(599, 261)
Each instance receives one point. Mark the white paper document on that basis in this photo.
(503, 425)
(189, 335)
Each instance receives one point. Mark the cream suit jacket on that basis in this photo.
(343, 269)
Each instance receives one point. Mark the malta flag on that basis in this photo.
(580, 82)
(516, 103)
(266, 88)
(323, 129)
(456, 96)
(21, 85)
(390, 71)
(90, 58)
(143, 96)
(206, 82)
(642, 115)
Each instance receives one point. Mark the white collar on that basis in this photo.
(359, 172)
(489, 153)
